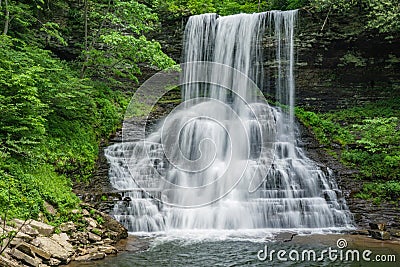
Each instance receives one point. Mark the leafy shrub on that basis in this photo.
(388, 190)
(51, 124)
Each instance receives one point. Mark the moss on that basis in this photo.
(354, 59)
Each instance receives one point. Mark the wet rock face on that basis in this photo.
(337, 67)
(344, 64)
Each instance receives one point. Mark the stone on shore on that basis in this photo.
(36, 244)
(33, 251)
(53, 247)
(5, 262)
(31, 261)
(91, 256)
(381, 235)
(42, 228)
(67, 227)
(394, 232)
(378, 226)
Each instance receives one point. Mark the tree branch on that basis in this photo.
(326, 19)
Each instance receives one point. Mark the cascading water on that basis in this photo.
(225, 159)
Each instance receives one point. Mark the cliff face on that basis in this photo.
(344, 64)
(339, 65)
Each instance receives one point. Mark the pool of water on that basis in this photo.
(248, 249)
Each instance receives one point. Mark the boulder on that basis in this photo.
(50, 208)
(91, 250)
(42, 228)
(91, 256)
(63, 239)
(395, 232)
(29, 230)
(75, 211)
(378, 226)
(54, 248)
(85, 212)
(67, 227)
(91, 222)
(80, 237)
(31, 261)
(81, 251)
(93, 237)
(54, 262)
(108, 249)
(112, 235)
(33, 251)
(381, 235)
(108, 241)
(111, 224)
(4, 262)
(19, 235)
(285, 236)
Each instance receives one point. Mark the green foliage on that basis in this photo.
(23, 113)
(286, 4)
(379, 135)
(386, 190)
(370, 142)
(191, 7)
(22, 17)
(369, 136)
(379, 149)
(295, 4)
(326, 131)
(227, 7)
(119, 48)
(338, 5)
(50, 129)
(99, 219)
(383, 15)
(354, 59)
(52, 29)
(51, 119)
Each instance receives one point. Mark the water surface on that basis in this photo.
(226, 249)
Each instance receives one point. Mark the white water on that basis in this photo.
(225, 159)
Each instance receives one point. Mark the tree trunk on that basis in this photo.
(7, 18)
(86, 39)
(86, 25)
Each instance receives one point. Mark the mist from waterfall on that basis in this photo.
(225, 158)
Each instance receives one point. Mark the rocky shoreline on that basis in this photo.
(93, 236)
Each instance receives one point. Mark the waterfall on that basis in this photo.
(225, 159)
